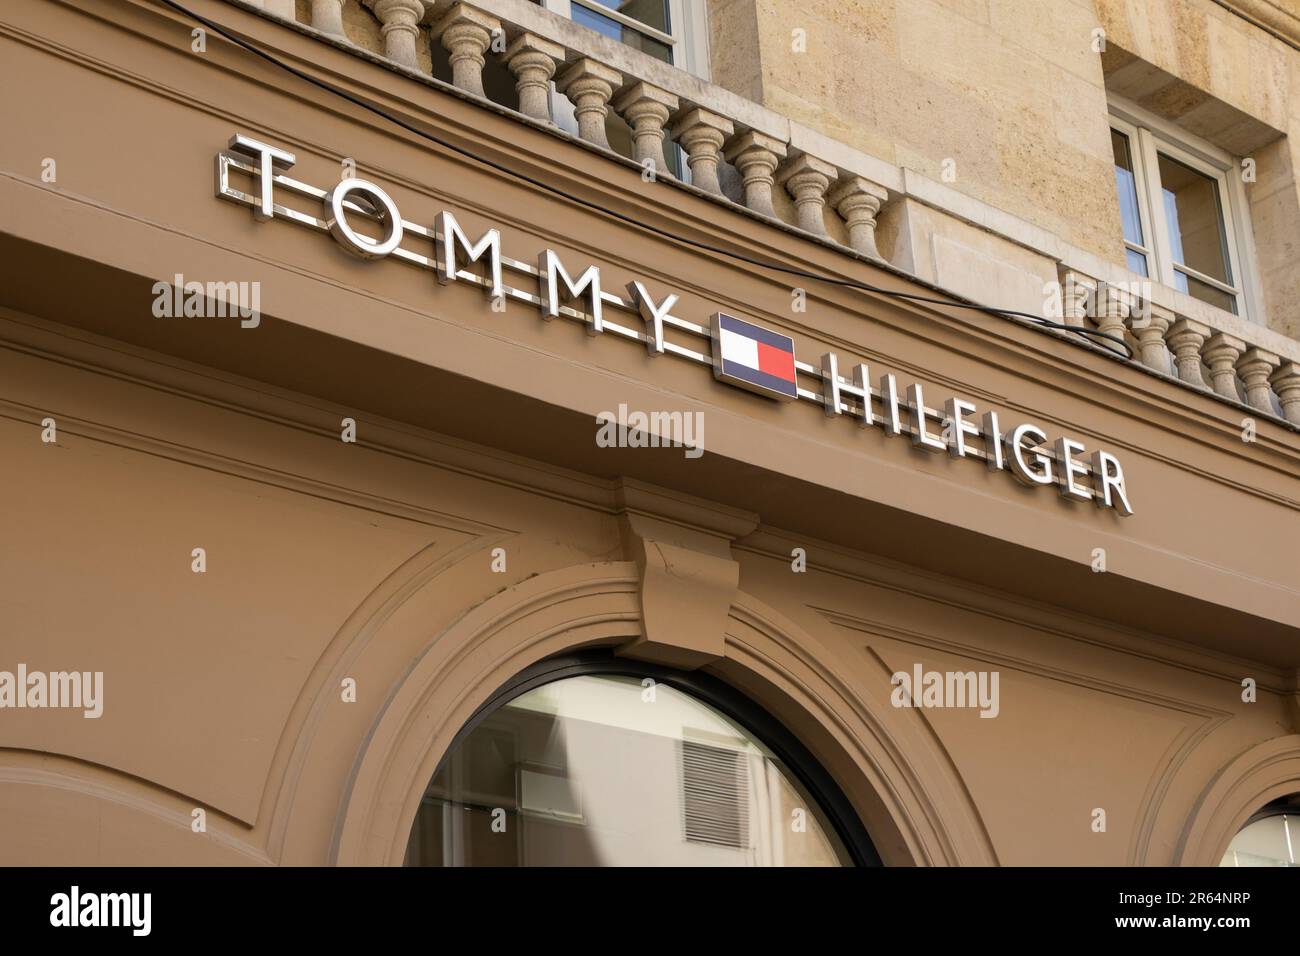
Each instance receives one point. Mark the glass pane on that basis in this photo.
(1136, 262)
(1195, 217)
(586, 772)
(1272, 841)
(616, 31)
(1126, 186)
(1205, 292)
(653, 13)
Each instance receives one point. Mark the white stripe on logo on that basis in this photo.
(737, 348)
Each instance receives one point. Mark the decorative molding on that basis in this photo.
(1269, 16)
(880, 572)
(22, 767)
(1261, 774)
(1200, 721)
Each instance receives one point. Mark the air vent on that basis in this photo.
(715, 795)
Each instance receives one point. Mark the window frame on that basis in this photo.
(1148, 136)
(689, 34)
(1276, 809)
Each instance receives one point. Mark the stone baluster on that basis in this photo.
(1221, 353)
(1186, 337)
(327, 17)
(1150, 330)
(400, 19)
(858, 200)
(1114, 308)
(466, 33)
(533, 61)
(1255, 367)
(756, 155)
(702, 133)
(590, 85)
(1286, 382)
(806, 179)
(646, 109)
(1076, 292)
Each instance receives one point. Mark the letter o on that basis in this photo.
(353, 241)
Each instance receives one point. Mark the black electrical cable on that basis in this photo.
(664, 233)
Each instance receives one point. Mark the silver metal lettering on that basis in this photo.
(550, 276)
(451, 237)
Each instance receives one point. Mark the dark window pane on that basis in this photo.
(1195, 216)
(1136, 262)
(1126, 186)
(584, 772)
(1205, 292)
(653, 13)
(616, 31)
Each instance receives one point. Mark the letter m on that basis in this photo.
(550, 274)
(452, 238)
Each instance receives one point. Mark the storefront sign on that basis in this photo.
(741, 353)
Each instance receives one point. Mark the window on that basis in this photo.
(674, 31)
(591, 760)
(1270, 838)
(1183, 212)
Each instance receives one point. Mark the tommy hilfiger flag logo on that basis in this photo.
(753, 357)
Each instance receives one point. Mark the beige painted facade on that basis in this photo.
(372, 561)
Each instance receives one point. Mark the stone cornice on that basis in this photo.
(1272, 16)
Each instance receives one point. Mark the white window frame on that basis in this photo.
(688, 19)
(1148, 135)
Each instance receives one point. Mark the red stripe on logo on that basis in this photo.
(775, 361)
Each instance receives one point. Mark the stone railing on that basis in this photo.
(741, 153)
(1198, 344)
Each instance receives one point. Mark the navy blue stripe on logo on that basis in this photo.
(774, 339)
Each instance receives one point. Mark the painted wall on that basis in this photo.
(371, 560)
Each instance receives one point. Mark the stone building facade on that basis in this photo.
(397, 392)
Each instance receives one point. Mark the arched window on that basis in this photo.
(591, 760)
(1270, 838)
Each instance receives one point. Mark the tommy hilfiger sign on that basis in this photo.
(741, 353)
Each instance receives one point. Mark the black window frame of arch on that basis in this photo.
(715, 692)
